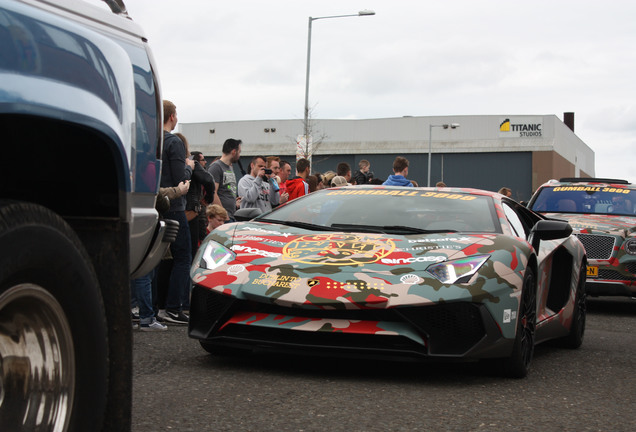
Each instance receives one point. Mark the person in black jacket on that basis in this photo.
(363, 175)
(176, 167)
(205, 184)
(200, 194)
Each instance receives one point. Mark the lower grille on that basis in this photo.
(613, 275)
(449, 328)
(597, 246)
(308, 341)
(452, 328)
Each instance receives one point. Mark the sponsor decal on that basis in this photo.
(338, 249)
(520, 127)
(590, 189)
(509, 315)
(410, 279)
(235, 269)
(293, 282)
(440, 240)
(413, 260)
(254, 251)
(278, 233)
(246, 237)
(429, 248)
(449, 196)
(259, 239)
(452, 196)
(277, 281)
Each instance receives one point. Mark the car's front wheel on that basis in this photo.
(518, 364)
(574, 339)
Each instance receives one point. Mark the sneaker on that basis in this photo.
(176, 317)
(161, 315)
(135, 326)
(154, 325)
(135, 314)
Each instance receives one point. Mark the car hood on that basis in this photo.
(298, 267)
(598, 224)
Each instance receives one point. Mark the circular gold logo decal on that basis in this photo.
(338, 249)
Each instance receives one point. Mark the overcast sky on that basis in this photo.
(246, 60)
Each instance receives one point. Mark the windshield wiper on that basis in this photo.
(362, 228)
(416, 230)
(297, 224)
(390, 228)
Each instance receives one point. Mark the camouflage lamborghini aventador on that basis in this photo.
(391, 272)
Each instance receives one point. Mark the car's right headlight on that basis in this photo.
(215, 255)
(630, 246)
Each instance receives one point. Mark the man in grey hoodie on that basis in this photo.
(401, 170)
(254, 188)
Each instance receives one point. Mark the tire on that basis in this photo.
(53, 333)
(577, 330)
(518, 364)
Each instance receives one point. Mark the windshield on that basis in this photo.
(585, 199)
(388, 210)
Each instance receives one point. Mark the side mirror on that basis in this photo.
(549, 230)
(246, 214)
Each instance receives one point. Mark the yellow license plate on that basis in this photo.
(592, 271)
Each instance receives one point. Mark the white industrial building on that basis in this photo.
(486, 152)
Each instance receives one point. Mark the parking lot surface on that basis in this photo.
(179, 387)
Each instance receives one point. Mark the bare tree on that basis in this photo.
(316, 137)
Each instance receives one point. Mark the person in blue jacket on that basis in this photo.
(401, 170)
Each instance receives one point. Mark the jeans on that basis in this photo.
(179, 288)
(142, 291)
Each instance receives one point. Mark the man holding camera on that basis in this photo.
(255, 189)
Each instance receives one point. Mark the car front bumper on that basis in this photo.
(462, 330)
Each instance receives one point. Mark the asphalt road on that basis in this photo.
(179, 387)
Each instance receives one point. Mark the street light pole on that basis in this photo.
(311, 19)
(430, 145)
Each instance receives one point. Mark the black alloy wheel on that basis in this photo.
(518, 364)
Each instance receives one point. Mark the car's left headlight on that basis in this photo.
(457, 271)
(214, 255)
(630, 246)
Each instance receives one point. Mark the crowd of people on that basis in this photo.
(202, 198)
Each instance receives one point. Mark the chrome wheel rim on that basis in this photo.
(37, 363)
